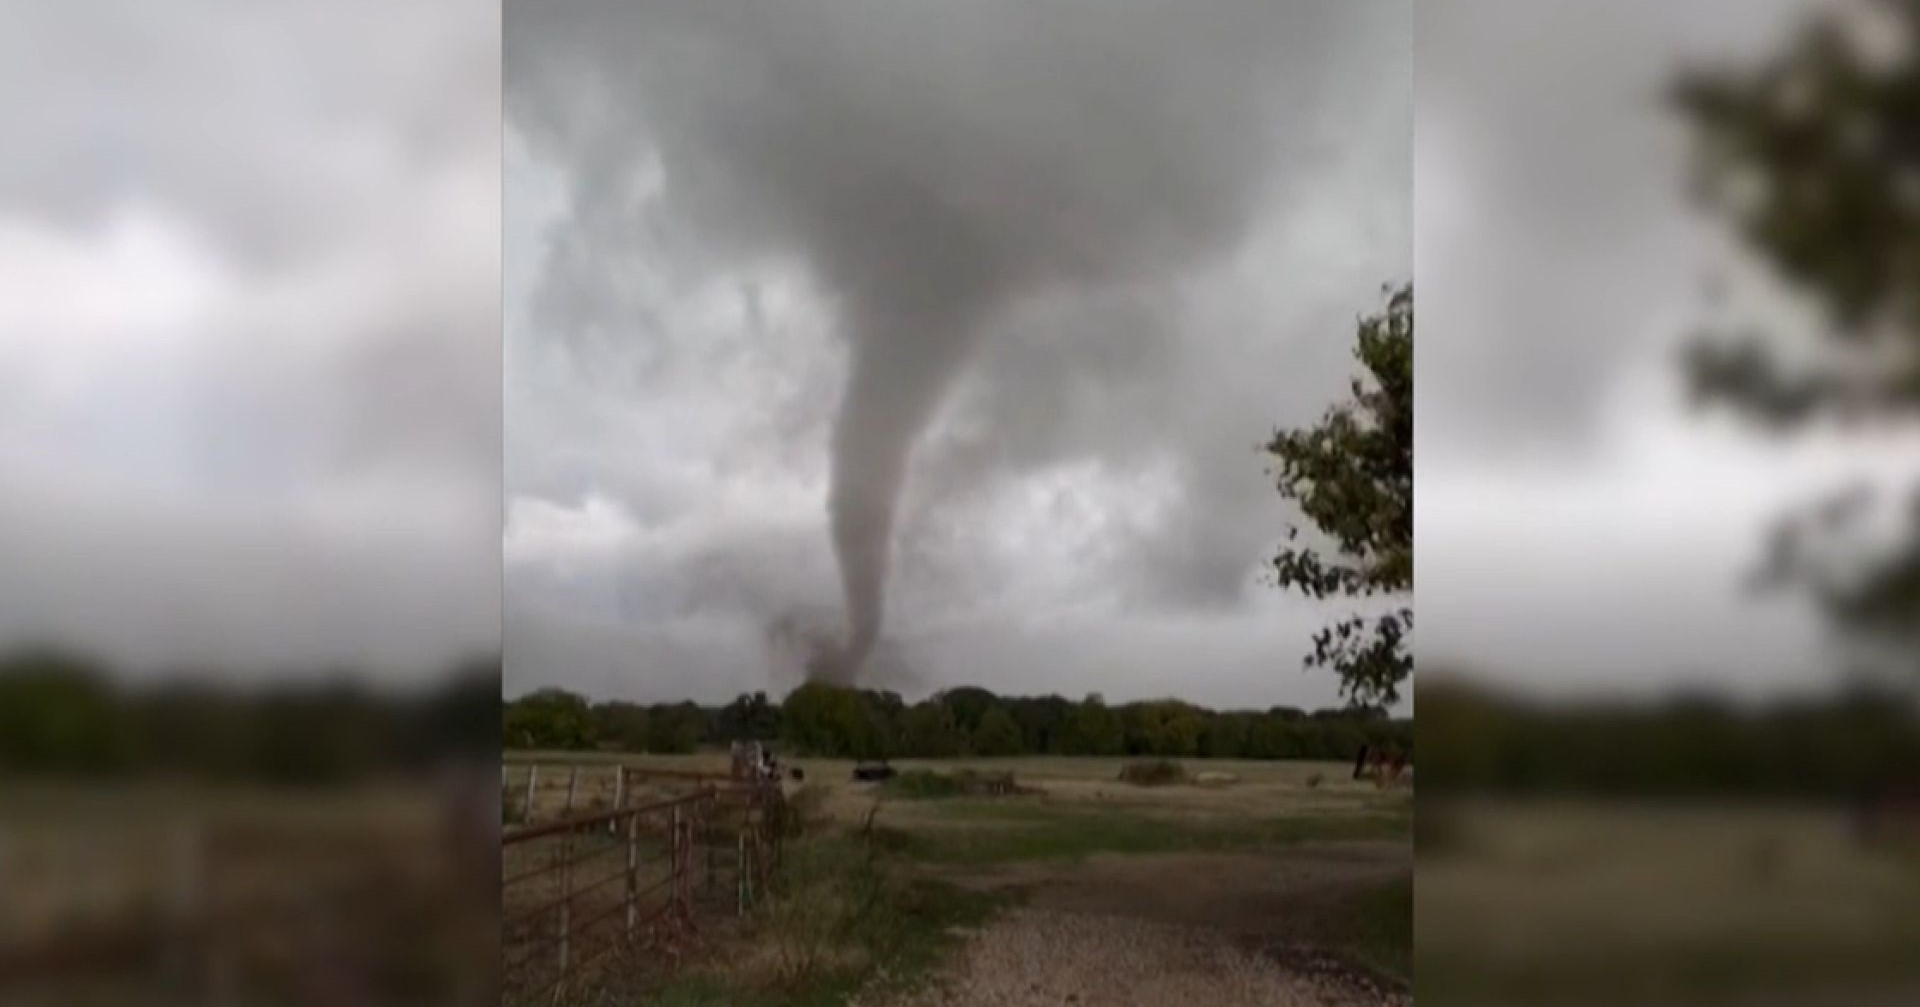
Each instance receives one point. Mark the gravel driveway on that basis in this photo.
(1044, 958)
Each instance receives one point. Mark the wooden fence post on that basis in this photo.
(633, 875)
(566, 903)
(619, 794)
(573, 781)
(677, 861)
(533, 784)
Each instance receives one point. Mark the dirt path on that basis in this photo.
(1225, 930)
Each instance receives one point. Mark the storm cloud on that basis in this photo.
(954, 253)
(249, 406)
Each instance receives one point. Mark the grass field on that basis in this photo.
(884, 885)
(1617, 903)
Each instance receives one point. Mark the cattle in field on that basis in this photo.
(1383, 766)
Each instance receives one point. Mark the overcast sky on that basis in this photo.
(250, 403)
(1577, 529)
(249, 368)
(1152, 230)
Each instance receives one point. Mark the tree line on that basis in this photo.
(833, 722)
(1477, 741)
(66, 714)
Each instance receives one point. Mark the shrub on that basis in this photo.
(1158, 772)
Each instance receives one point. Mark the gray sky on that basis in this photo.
(249, 406)
(1576, 529)
(1134, 243)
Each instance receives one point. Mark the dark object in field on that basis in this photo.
(1889, 815)
(1153, 774)
(872, 772)
(799, 775)
(1385, 767)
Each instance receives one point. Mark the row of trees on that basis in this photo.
(65, 714)
(824, 720)
(1475, 741)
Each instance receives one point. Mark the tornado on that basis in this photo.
(928, 165)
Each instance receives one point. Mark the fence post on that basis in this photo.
(619, 794)
(186, 893)
(677, 861)
(533, 784)
(633, 875)
(573, 780)
(566, 902)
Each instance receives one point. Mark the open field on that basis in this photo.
(1292, 884)
(1593, 903)
(176, 889)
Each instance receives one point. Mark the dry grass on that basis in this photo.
(1609, 902)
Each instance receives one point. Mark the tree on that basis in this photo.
(1808, 156)
(624, 725)
(831, 721)
(548, 718)
(1351, 475)
(927, 731)
(969, 705)
(1093, 729)
(997, 734)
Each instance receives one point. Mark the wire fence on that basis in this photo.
(629, 885)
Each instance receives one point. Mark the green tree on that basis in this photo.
(59, 713)
(928, 732)
(548, 718)
(969, 705)
(1351, 475)
(1093, 729)
(1166, 728)
(1225, 736)
(676, 728)
(832, 721)
(997, 734)
(622, 725)
(1807, 154)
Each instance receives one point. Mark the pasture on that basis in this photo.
(1267, 882)
(1601, 903)
(193, 892)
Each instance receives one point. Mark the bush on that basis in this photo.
(1159, 772)
(804, 810)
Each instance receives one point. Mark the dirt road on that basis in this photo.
(1227, 930)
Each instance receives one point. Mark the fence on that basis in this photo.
(629, 884)
(529, 791)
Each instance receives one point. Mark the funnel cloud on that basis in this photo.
(928, 174)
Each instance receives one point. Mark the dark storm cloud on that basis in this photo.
(251, 257)
(938, 170)
(1579, 528)
(1553, 226)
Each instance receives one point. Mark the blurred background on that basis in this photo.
(1668, 517)
(249, 485)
